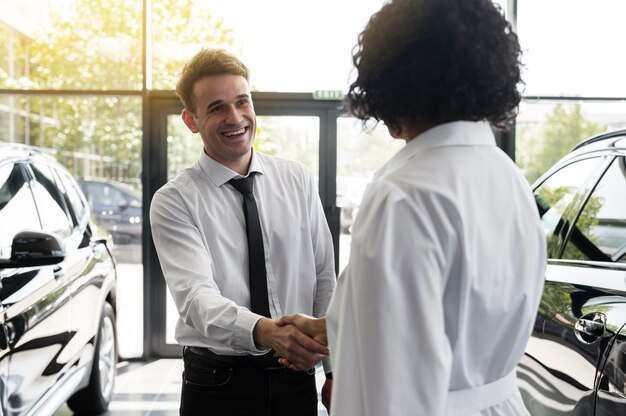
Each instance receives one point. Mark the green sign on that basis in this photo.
(328, 95)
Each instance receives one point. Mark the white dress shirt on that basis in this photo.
(199, 232)
(446, 269)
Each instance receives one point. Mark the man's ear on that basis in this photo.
(190, 120)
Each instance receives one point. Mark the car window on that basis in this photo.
(51, 206)
(73, 198)
(600, 231)
(102, 194)
(556, 194)
(17, 208)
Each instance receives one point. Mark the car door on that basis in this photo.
(558, 370)
(84, 277)
(35, 320)
(595, 250)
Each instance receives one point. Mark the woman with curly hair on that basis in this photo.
(447, 261)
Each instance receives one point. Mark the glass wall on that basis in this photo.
(573, 74)
(573, 47)
(289, 46)
(85, 45)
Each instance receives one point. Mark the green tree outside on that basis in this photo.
(540, 147)
(97, 45)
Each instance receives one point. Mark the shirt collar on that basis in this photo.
(456, 133)
(220, 174)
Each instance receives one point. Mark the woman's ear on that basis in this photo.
(395, 130)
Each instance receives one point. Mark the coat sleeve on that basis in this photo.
(391, 355)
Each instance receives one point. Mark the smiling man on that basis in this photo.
(242, 241)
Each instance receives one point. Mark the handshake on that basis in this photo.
(299, 340)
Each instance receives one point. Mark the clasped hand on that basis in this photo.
(315, 328)
(299, 350)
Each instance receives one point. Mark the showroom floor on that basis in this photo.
(151, 389)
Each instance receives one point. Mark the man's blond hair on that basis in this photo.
(206, 63)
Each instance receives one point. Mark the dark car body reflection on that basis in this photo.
(575, 362)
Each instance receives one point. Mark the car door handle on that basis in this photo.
(592, 324)
(58, 271)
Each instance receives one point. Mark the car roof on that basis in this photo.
(610, 139)
(18, 151)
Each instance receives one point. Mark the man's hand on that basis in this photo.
(314, 327)
(289, 342)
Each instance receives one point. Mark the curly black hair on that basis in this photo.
(436, 60)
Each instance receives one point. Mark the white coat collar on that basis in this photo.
(456, 133)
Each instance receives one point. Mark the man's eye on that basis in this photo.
(243, 102)
(215, 109)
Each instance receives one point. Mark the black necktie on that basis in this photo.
(256, 253)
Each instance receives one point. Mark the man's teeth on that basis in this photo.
(234, 133)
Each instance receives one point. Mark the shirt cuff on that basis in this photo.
(244, 329)
(326, 363)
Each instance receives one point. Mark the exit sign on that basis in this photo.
(328, 95)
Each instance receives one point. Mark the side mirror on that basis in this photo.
(34, 248)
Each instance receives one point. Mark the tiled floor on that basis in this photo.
(152, 389)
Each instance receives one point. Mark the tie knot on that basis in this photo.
(243, 185)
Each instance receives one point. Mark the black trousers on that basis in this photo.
(211, 387)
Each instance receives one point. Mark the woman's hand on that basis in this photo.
(313, 327)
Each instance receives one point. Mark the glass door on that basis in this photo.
(290, 126)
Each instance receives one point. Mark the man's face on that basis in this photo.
(225, 119)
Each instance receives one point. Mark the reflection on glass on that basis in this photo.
(359, 154)
(556, 194)
(51, 208)
(600, 231)
(17, 208)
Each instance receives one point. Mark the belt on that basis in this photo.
(473, 400)
(263, 362)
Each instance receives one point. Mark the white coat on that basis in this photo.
(446, 269)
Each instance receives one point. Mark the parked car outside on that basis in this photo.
(575, 361)
(57, 291)
(117, 208)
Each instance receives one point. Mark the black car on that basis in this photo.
(57, 291)
(575, 361)
(117, 207)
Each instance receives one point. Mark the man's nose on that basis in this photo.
(233, 115)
